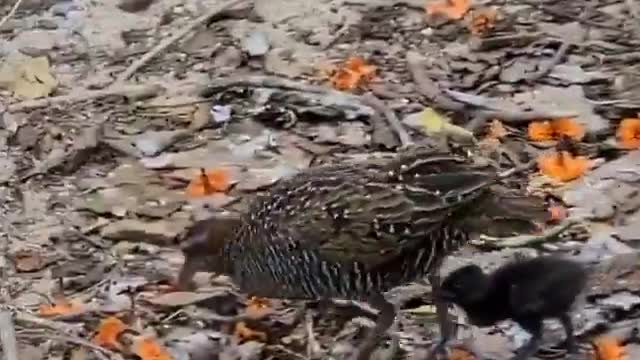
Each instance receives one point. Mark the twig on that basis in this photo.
(525, 240)
(426, 86)
(392, 119)
(270, 82)
(548, 67)
(11, 12)
(129, 91)
(125, 75)
(67, 329)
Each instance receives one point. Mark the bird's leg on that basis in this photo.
(534, 327)
(386, 316)
(442, 313)
(570, 342)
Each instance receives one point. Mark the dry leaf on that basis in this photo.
(483, 21)
(108, 332)
(628, 133)
(27, 261)
(608, 348)
(148, 348)
(452, 9)
(353, 74)
(27, 77)
(258, 307)
(208, 182)
(558, 213)
(461, 354)
(62, 307)
(245, 333)
(562, 165)
(496, 130)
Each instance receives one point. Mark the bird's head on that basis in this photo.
(203, 247)
(464, 286)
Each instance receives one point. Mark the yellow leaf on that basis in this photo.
(435, 124)
(423, 309)
(27, 77)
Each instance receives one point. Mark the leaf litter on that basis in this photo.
(102, 178)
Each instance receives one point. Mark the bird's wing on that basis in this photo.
(371, 214)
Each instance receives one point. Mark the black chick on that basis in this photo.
(525, 291)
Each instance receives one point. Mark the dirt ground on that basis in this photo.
(110, 109)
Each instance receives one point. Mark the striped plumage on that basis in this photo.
(354, 231)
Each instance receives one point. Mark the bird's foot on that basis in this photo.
(439, 351)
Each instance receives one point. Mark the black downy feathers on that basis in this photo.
(526, 291)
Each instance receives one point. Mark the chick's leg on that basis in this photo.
(570, 341)
(442, 313)
(534, 327)
(386, 316)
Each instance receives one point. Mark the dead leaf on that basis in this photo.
(461, 354)
(27, 261)
(496, 130)
(27, 77)
(244, 333)
(563, 166)
(354, 73)
(608, 348)
(558, 213)
(258, 307)
(148, 348)
(628, 133)
(62, 307)
(182, 298)
(452, 9)
(483, 21)
(108, 332)
(208, 182)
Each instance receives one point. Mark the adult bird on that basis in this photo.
(354, 231)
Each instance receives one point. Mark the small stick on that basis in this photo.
(132, 91)
(525, 240)
(11, 12)
(555, 60)
(125, 75)
(392, 119)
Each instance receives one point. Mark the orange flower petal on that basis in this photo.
(148, 348)
(108, 332)
(452, 9)
(354, 72)
(608, 348)
(245, 333)
(540, 131)
(208, 182)
(483, 20)
(563, 166)
(568, 127)
(558, 213)
(61, 308)
(628, 133)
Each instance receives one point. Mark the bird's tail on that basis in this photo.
(500, 212)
